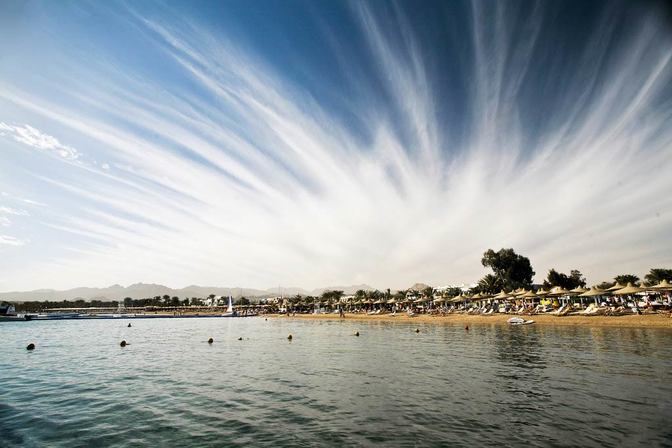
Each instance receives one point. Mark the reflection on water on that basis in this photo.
(491, 385)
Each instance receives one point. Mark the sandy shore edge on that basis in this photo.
(628, 321)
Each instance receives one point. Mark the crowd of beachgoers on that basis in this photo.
(617, 300)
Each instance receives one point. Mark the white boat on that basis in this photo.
(519, 321)
(230, 312)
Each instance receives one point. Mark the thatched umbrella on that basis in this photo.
(616, 287)
(439, 300)
(542, 292)
(458, 299)
(662, 286)
(629, 289)
(502, 295)
(578, 290)
(529, 295)
(594, 291)
(558, 291)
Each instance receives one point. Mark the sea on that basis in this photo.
(396, 384)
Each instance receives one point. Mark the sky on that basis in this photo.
(265, 143)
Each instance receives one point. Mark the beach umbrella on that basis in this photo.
(378, 302)
(662, 286)
(592, 292)
(629, 289)
(578, 290)
(392, 302)
(439, 300)
(558, 291)
(542, 292)
(529, 295)
(616, 287)
(502, 295)
(457, 299)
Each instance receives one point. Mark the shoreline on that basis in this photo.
(628, 321)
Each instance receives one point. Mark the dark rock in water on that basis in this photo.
(31, 346)
(129, 325)
(467, 328)
(123, 344)
(357, 333)
(417, 330)
(240, 339)
(210, 341)
(289, 337)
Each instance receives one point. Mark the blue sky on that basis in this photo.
(317, 143)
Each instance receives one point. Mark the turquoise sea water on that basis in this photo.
(493, 385)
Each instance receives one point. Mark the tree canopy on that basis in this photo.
(510, 269)
(657, 275)
(624, 279)
(571, 281)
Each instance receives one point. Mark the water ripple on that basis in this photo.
(539, 386)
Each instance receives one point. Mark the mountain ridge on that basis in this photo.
(144, 290)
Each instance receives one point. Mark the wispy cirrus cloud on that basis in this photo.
(11, 241)
(37, 139)
(239, 175)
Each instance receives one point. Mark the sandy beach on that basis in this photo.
(628, 321)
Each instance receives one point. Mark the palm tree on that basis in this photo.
(490, 284)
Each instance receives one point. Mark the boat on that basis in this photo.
(230, 312)
(519, 321)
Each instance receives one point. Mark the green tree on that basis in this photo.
(574, 280)
(490, 284)
(624, 279)
(243, 301)
(657, 275)
(175, 301)
(605, 285)
(428, 292)
(360, 294)
(512, 269)
(128, 302)
(400, 295)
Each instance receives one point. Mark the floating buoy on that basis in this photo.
(357, 333)
(289, 337)
(210, 341)
(123, 344)
(30, 346)
(417, 330)
(266, 318)
(129, 325)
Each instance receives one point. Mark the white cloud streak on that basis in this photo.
(7, 240)
(34, 138)
(262, 186)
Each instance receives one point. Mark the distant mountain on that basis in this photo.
(143, 290)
